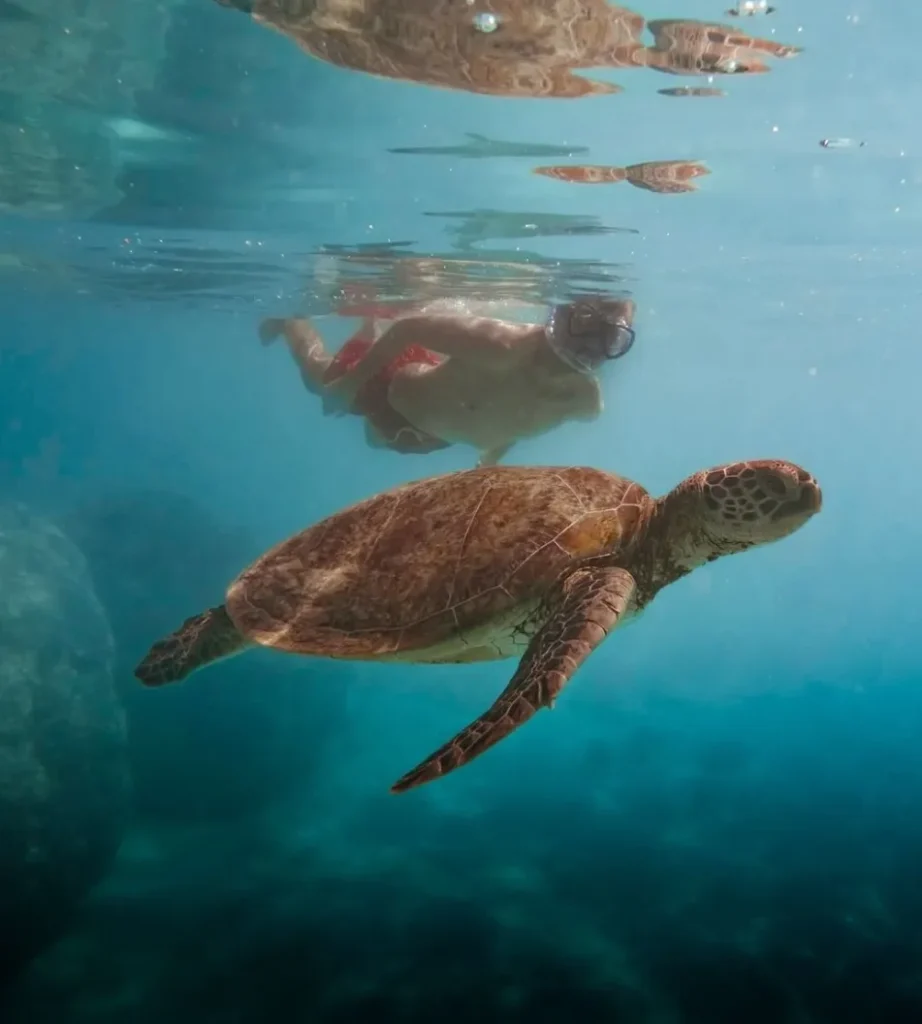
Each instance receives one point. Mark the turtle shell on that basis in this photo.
(434, 566)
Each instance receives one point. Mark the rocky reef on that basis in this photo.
(64, 784)
(59, 109)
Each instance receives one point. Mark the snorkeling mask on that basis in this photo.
(585, 333)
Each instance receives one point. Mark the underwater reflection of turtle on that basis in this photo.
(539, 563)
(444, 375)
(684, 47)
(523, 48)
(666, 176)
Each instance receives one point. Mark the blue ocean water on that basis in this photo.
(718, 822)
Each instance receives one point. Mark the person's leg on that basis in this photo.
(306, 348)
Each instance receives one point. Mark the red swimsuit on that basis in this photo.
(372, 400)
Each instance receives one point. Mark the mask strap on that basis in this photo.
(563, 352)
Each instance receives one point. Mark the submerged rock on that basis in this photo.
(63, 767)
(67, 69)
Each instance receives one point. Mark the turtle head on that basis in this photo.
(731, 508)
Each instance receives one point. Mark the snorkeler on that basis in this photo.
(441, 376)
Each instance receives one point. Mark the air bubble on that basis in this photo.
(748, 8)
(841, 143)
(486, 22)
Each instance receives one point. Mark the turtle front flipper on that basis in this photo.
(589, 606)
(198, 642)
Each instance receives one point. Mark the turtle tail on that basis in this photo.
(198, 642)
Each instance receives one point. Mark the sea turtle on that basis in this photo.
(536, 562)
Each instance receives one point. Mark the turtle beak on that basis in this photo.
(810, 501)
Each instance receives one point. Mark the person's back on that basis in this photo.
(490, 403)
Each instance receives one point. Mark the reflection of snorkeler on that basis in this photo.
(438, 377)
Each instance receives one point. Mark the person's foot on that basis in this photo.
(270, 329)
(303, 337)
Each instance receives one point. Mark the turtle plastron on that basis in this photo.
(589, 604)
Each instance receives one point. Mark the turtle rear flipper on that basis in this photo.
(590, 605)
(198, 642)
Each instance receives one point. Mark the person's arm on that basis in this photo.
(492, 456)
(490, 343)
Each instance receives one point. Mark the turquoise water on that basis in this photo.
(718, 822)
